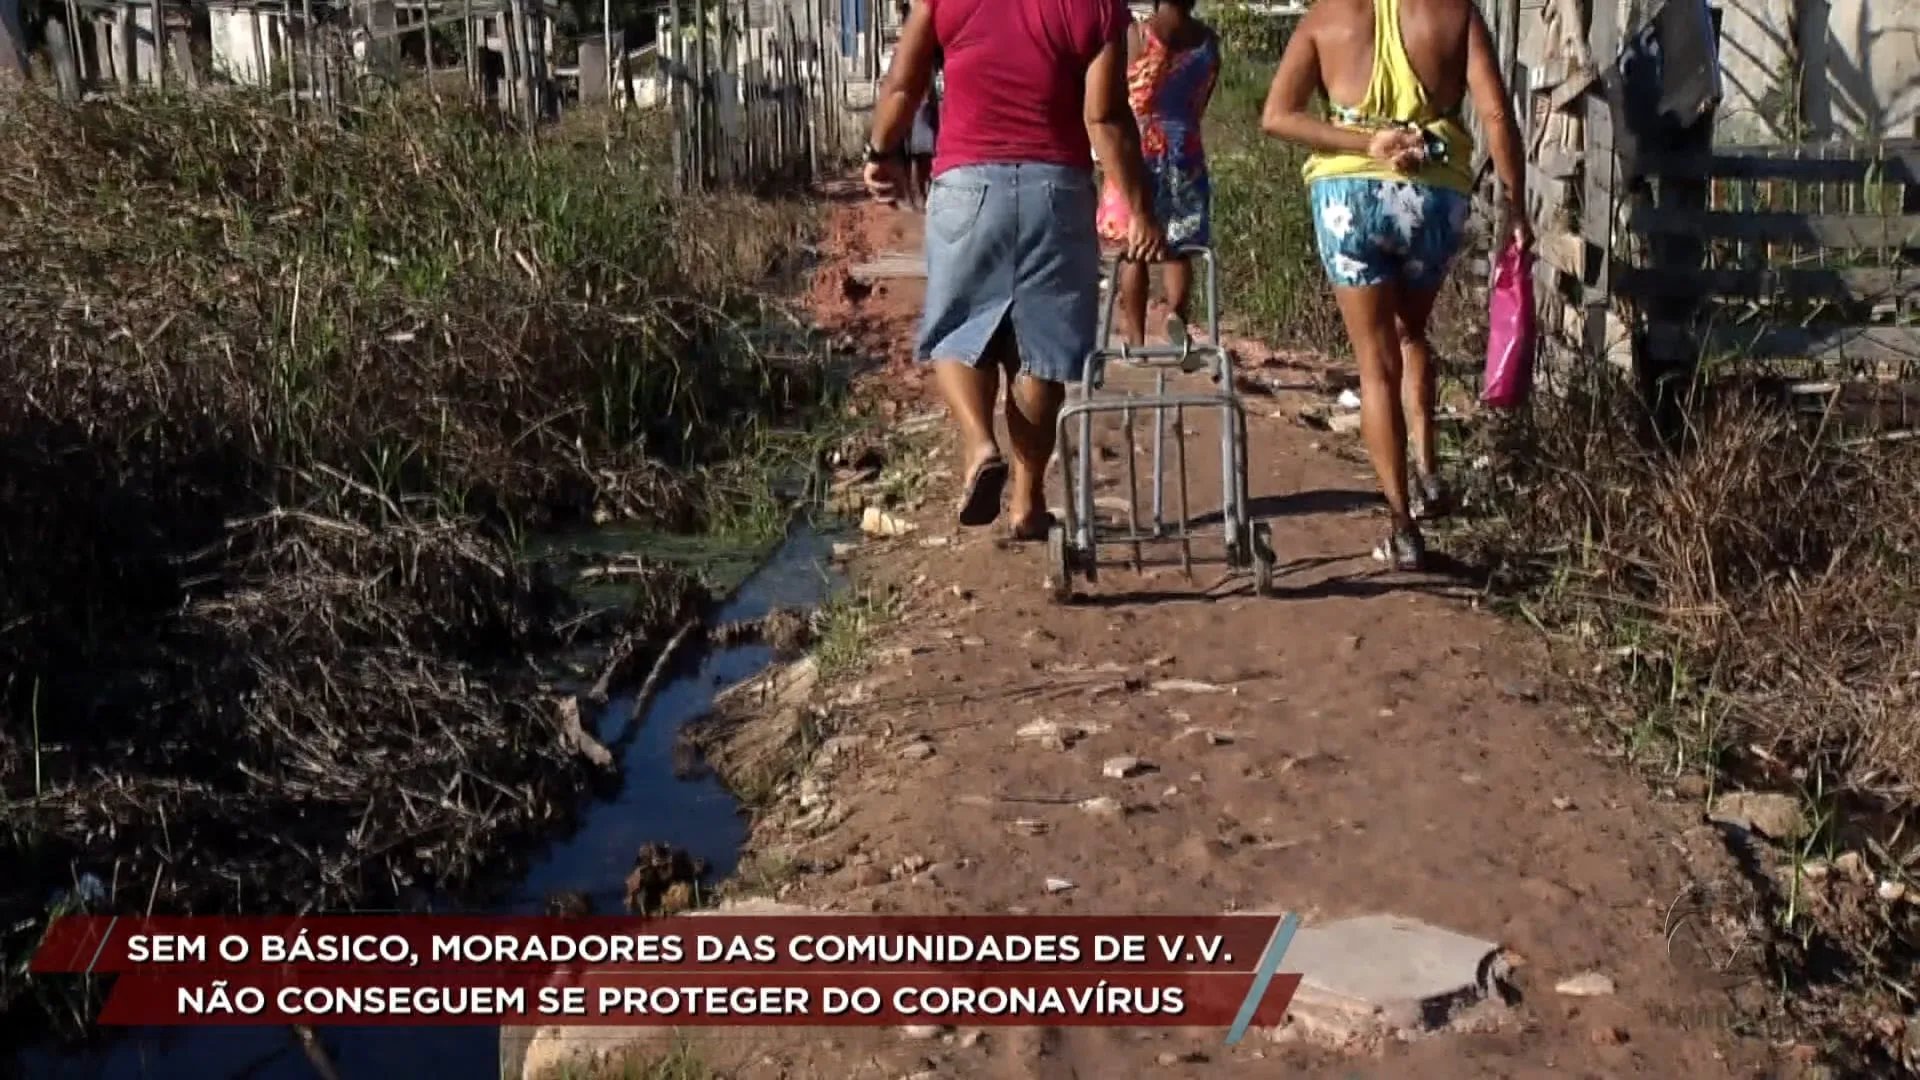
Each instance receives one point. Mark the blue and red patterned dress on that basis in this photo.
(1170, 90)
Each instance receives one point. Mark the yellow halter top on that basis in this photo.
(1396, 97)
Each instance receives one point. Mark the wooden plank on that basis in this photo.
(1854, 284)
(1597, 205)
(1822, 230)
(1895, 345)
(1898, 167)
(1565, 252)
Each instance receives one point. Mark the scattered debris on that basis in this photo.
(1773, 815)
(1101, 806)
(878, 523)
(1191, 686)
(657, 868)
(1585, 984)
(577, 735)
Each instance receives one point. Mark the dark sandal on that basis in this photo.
(981, 503)
(1403, 549)
(1432, 499)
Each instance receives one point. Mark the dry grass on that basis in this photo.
(1751, 586)
(279, 405)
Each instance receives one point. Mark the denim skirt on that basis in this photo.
(1015, 244)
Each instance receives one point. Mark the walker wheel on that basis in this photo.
(1059, 573)
(1263, 560)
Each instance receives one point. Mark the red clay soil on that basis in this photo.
(1375, 744)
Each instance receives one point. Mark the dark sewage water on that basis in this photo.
(652, 805)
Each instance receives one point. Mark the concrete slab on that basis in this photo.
(1383, 974)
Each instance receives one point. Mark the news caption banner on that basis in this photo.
(832, 970)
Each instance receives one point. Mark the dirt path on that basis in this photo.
(1374, 747)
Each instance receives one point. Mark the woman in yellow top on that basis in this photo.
(1391, 182)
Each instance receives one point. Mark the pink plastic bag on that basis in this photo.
(1510, 331)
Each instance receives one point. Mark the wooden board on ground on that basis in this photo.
(893, 264)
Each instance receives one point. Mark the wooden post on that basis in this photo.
(307, 32)
(258, 37)
(75, 30)
(159, 44)
(698, 88)
(523, 52)
(510, 53)
(472, 56)
(594, 89)
(1600, 182)
(60, 53)
(180, 43)
(671, 53)
(426, 31)
(124, 44)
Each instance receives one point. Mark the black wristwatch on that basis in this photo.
(875, 155)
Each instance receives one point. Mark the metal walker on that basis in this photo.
(1073, 545)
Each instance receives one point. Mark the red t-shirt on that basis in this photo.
(1016, 78)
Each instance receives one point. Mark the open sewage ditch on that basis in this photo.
(646, 803)
(309, 435)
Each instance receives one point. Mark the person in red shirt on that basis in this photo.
(1033, 89)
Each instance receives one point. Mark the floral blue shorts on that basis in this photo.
(1371, 232)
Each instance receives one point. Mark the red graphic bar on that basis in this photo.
(457, 945)
(1132, 999)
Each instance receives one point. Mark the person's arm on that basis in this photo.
(1489, 93)
(1288, 113)
(1111, 126)
(907, 81)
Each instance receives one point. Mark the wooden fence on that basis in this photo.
(1798, 257)
(1799, 261)
(758, 92)
(763, 91)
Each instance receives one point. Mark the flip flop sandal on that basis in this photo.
(1180, 338)
(1431, 499)
(1402, 550)
(981, 503)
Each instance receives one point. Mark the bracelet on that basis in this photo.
(876, 156)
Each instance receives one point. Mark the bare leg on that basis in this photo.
(970, 391)
(1419, 379)
(1033, 412)
(1178, 276)
(1132, 316)
(1369, 315)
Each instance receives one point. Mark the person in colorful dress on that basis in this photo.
(1391, 182)
(1173, 62)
